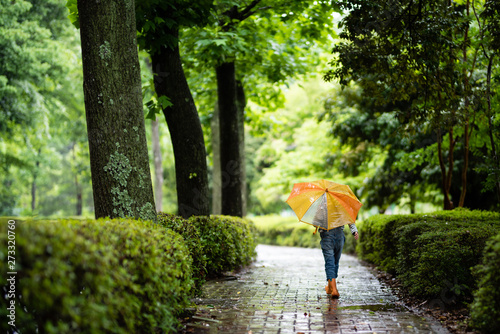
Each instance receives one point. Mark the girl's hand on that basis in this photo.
(356, 235)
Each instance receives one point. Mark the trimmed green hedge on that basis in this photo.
(192, 238)
(104, 276)
(439, 260)
(432, 254)
(117, 276)
(485, 310)
(228, 242)
(217, 243)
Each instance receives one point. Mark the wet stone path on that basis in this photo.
(283, 292)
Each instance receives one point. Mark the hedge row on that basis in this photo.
(485, 310)
(116, 276)
(217, 243)
(432, 254)
(104, 276)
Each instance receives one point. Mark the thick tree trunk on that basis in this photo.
(121, 178)
(185, 131)
(229, 141)
(158, 188)
(216, 172)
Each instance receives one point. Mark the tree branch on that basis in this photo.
(248, 11)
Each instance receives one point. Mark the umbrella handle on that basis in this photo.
(315, 230)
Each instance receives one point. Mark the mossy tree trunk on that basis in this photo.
(121, 178)
(185, 132)
(230, 158)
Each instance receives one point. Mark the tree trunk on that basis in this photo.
(446, 175)
(121, 179)
(78, 186)
(241, 104)
(467, 116)
(216, 172)
(33, 184)
(185, 131)
(79, 197)
(229, 140)
(158, 188)
(33, 195)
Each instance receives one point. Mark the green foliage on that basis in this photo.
(217, 244)
(371, 135)
(438, 261)
(103, 276)
(159, 21)
(295, 147)
(429, 63)
(433, 253)
(377, 242)
(485, 310)
(43, 140)
(72, 6)
(193, 240)
(228, 242)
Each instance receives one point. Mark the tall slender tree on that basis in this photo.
(121, 178)
(158, 25)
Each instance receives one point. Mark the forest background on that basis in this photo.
(399, 123)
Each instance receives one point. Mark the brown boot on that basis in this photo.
(331, 288)
(328, 288)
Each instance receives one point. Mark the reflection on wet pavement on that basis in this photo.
(283, 292)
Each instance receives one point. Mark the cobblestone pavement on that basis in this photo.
(283, 292)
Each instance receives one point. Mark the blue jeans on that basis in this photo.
(332, 242)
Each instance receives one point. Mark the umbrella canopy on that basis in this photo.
(324, 204)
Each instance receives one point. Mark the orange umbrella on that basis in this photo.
(324, 204)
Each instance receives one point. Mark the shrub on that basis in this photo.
(378, 243)
(438, 262)
(485, 310)
(192, 238)
(217, 243)
(104, 276)
(431, 253)
(228, 242)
